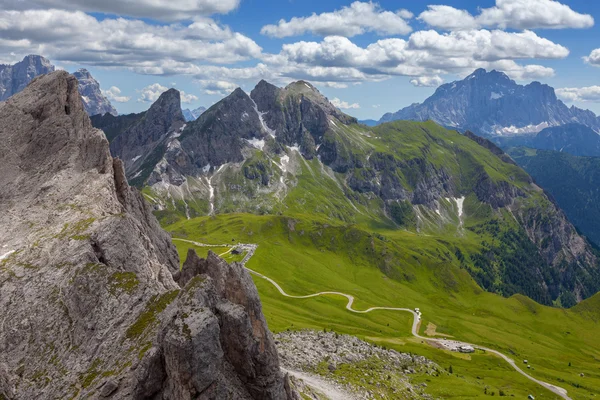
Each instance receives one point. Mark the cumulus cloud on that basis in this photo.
(448, 18)
(515, 14)
(334, 85)
(593, 58)
(424, 54)
(427, 81)
(187, 98)
(358, 18)
(344, 105)
(217, 88)
(590, 93)
(114, 94)
(120, 42)
(171, 10)
(151, 93)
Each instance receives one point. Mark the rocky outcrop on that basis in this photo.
(491, 104)
(382, 373)
(90, 305)
(295, 111)
(14, 78)
(93, 100)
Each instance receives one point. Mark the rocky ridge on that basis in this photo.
(93, 100)
(282, 150)
(94, 304)
(491, 104)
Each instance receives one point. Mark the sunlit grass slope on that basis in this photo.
(385, 267)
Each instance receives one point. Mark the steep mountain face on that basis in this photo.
(93, 300)
(14, 78)
(143, 143)
(572, 181)
(491, 104)
(93, 99)
(289, 151)
(192, 115)
(113, 126)
(575, 139)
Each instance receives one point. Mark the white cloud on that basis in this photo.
(448, 18)
(187, 98)
(217, 88)
(151, 93)
(487, 45)
(171, 10)
(344, 105)
(590, 93)
(114, 94)
(593, 58)
(515, 14)
(120, 42)
(358, 18)
(334, 85)
(424, 54)
(427, 81)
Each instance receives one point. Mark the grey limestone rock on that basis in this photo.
(94, 101)
(90, 305)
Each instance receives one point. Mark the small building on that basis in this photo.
(530, 397)
(525, 362)
(466, 349)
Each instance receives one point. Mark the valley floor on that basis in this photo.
(444, 343)
(293, 258)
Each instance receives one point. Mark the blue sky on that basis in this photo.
(365, 59)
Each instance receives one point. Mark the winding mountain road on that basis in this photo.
(251, 248)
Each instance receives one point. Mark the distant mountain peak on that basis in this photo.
(94, 101)
(14, 78)
(492, 104)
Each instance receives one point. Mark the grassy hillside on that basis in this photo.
(385, 267)
(407, 176)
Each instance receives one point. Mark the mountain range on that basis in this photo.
(574, 139)
(94, 299)
(290, 151)
(491, 104)
(192, 115)
(14, 78)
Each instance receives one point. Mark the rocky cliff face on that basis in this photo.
(14, 78)
(93, 99)
(90, 304)
(143, 143)
(491, 104)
